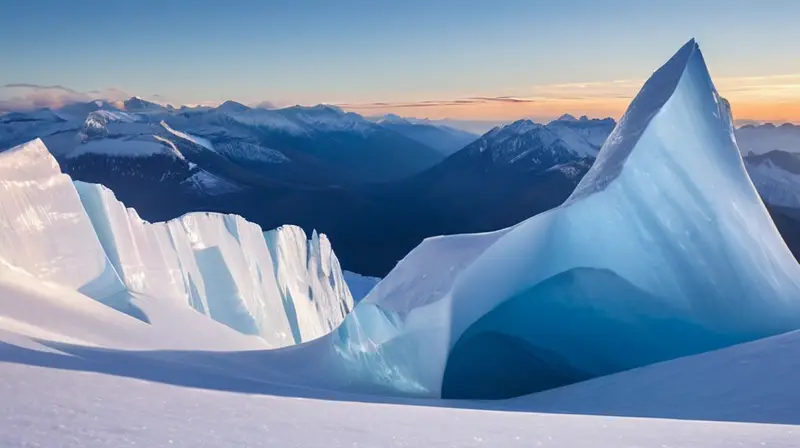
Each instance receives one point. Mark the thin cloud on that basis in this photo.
(753, 98)
(22, 85)
(265, 105)
(22, 97)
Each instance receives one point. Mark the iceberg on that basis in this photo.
(663, 250)
(277, 285)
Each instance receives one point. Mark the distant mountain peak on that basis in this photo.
(322, 107)
(136, 104)
(233, 106)
(568, 117)
(521, 126)
(394, 119)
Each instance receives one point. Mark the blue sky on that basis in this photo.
(360, 52)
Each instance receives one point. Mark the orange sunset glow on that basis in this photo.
(762, 99)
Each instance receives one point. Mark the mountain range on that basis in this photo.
(310, 145)
(766, 137)
(375, 187)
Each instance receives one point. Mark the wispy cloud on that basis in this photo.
(26, 96)
(775, 97)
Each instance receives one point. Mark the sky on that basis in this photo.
(463, 59)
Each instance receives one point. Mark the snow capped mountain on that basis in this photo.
(760, 139)
(393, 119)
(776, 176)
(139, 105)
(313, 145)
(233, 107)
(585, 135)
(536, 147)
(324, 117)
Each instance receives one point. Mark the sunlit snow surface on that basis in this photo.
(664, 250)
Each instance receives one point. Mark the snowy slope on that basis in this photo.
(77, 373)
(78, 235)
(189, 137)
(69, 378)
(52, 312)
(534, 147)
(586, 136)
(48, 407)
(90, 390)
(776, 176)
(748, 382)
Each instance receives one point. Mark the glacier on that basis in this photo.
(278, 285)
(664, 250)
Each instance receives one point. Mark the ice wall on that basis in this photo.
(43, 229)
(664, 250)
(225, 267)
(280, 286)
(310, 281)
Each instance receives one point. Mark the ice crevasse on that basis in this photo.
(277, 284)
(664, 250)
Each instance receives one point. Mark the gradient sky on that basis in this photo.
(413, 57)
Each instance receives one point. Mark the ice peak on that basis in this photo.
(647, 104)
(568, 117)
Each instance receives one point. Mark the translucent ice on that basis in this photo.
(663, 250)
(280, 285)
(277, 285)
(43, 229)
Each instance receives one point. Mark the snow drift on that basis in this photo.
(277, 285)
(663, 250)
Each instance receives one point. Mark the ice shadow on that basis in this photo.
(236, 372)
(280, 373)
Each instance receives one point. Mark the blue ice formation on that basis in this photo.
(664, 250)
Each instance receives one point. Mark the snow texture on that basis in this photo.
(77, 373)
(200, 141)
(776, 185)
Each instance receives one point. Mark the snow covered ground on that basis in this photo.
(54, 408)
(117, 381)
(58, 395)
